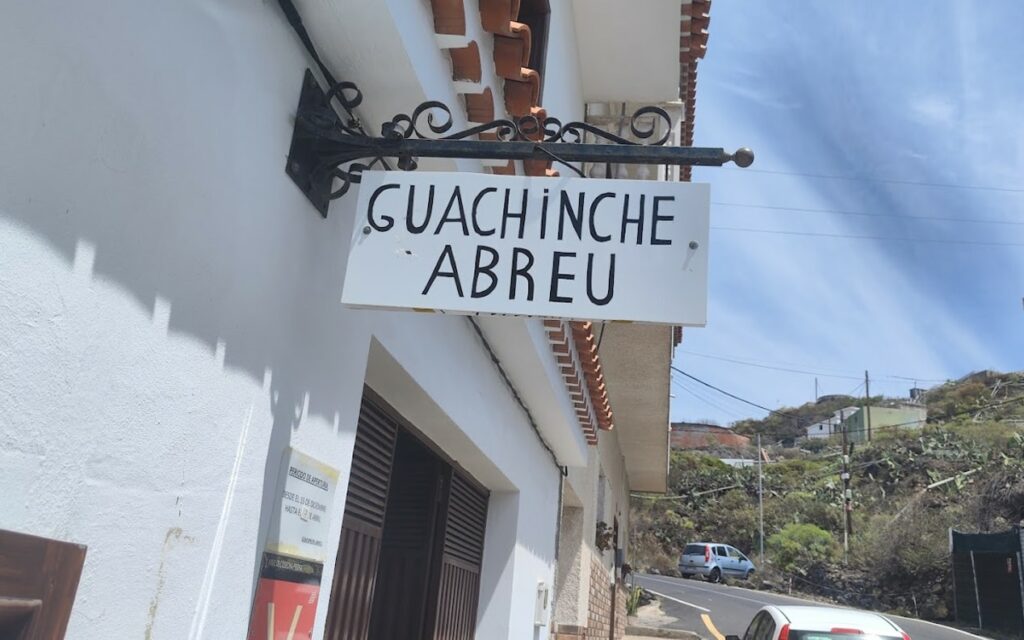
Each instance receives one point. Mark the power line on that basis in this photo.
(733, 414)
(774, 367)
(764, 366)
(850, 236)
(843, 212)
(733, 396)
(706, 401)
(916, 183)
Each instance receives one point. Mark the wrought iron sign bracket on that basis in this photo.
(328, 153)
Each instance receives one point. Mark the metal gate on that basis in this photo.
(988, 584)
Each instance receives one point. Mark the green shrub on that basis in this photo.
(800, 546)
(816, 445)
(633, 600)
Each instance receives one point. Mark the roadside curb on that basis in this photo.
(654, 632)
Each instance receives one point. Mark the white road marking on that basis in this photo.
(689, 604)
(936, 624)
(716, 592)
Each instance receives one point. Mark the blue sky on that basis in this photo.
(888, 96)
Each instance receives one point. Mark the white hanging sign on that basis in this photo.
(586, 249)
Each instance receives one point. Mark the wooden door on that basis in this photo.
(404, 572)
(461, 554)
(355, 573)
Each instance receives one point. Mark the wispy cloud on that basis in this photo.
(811, 97)
(934, 111)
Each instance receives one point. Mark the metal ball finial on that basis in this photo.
(743, 157)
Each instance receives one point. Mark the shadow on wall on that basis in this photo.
(170, 183)
(157, 163)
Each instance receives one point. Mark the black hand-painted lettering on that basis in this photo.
(485, 269)
(519, 215)
(521, 272)
(410, 225)
(461, 218)
(476, 206)
(638, 221)
(575, 217)
(544, 215)
(593, 214)
(655, 219)
(453, 273)
(388, 221)
(557, 276)
(610, 287)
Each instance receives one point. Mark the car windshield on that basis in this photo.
(822, 635)
(694, 550)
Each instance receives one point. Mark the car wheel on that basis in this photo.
(715, 575)
(749, 573)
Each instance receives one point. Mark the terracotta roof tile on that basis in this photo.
(512, 52)
(449, 17)
(588, 407)
(497, 16)
(480, 107)
(522, 93)
(696, 9)
(466, 63)
(505, 170)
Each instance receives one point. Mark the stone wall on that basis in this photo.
(600, 601)
(621, 592)
(600, 618)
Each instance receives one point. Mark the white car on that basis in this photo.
(820, 623)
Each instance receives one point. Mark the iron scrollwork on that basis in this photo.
(329, 152)
(527, 128)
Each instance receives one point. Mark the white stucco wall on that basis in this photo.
(169, 316)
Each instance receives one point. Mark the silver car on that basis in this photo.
(714, 562)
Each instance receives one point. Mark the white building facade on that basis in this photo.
(831, 426)
(171, 331)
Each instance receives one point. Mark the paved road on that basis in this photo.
(715, 610)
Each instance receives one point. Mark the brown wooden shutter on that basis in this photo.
(462, 553)
(355, 573)
(38, 581)
(403, 577)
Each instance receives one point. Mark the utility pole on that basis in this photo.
(845, 476)
(867, 404)
(760, 494)
(815, 389)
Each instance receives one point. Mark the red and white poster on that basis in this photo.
(286, 599)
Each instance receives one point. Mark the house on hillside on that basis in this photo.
(860, 426)
(830, 426)
(696, 435)
(187, 400)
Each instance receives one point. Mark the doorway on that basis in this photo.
(411, 546)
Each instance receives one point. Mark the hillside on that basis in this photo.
(976, 391)
(964, 470)
(788, 423)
